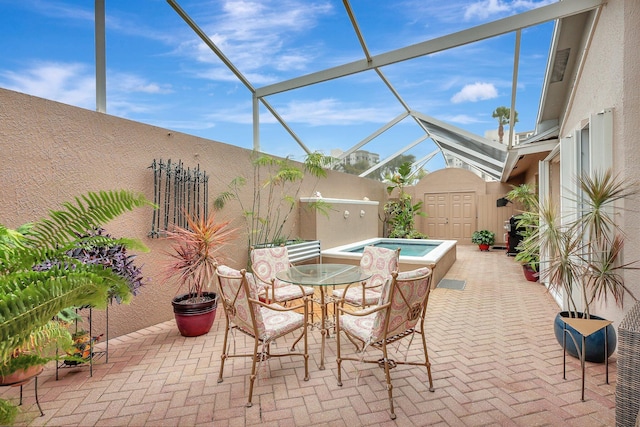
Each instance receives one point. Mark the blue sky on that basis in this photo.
(160, 73)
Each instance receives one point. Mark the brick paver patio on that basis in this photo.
(495, 361)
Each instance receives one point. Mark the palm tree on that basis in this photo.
(503, 114)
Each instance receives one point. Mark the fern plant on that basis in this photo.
(30, 296)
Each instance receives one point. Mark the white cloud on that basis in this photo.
(475, 92)
(74, 84)
(257, 36)
(312, 113)
(127, 83)
(486, 8)
(58, 9)
(70, 83)
(317, 113)
(462, 119)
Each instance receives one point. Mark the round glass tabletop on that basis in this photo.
(323, 274)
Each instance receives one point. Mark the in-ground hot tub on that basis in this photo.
(414, 253)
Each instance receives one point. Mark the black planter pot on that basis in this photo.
(594, 342)
(195, 319)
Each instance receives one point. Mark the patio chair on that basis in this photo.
(380, 263)
(400, 313)
(263, 322)
(266, 263)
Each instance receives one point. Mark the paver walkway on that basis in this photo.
(495, 361)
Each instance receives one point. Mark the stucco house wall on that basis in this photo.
(609, 79)
(51, 152)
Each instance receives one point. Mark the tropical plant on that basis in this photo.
(400, 213)
(276, 185)
(527, 223)
(503, 114)
(582, 257)
(31, 296)
(483, 237)
(391, 168)
(99, 248)
(525, 194)
(195, 252)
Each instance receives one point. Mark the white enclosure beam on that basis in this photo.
(256, 121)
(419, 164)
(356, 28)
(101, 61)
(393, 156)
(373, 135)
(205, 38)
(491, 29)
(255, 110)
(514, 86)
(285, 126)
(457, 130)
(393, 90)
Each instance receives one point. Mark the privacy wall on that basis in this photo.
(51, 152)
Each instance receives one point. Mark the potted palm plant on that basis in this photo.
(30, 295)
(527, 224)
(582, 257)
(528, 255)
(483, 238)
(276, 185)
(191, 264)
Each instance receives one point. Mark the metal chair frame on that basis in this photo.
(366, 286)
(228, 301)
(269, 284)
(417, 311)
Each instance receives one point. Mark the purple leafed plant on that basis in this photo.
(99, 248)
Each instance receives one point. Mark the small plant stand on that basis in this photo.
(93, 355)
(25, 381)
(584, 327)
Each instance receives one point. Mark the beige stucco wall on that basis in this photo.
(345, 221)
(610, 79)
(453, 180)
(51, 152)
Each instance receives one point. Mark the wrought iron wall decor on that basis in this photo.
(177, 192)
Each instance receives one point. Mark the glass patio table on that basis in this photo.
(323, 276)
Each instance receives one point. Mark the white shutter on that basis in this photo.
(601, 141)
(569, 151)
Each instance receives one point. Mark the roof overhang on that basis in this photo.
(570, 41)
(540, 143)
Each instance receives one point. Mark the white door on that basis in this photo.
(450, 216)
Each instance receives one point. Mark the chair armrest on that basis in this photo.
(367, 286)
(364, 312)
(278, 307)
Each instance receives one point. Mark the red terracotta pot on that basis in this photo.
(195, 319)
(483, 247)
(530, 274)
(21, 376)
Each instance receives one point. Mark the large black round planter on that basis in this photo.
(594, 342)
(195, 319)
